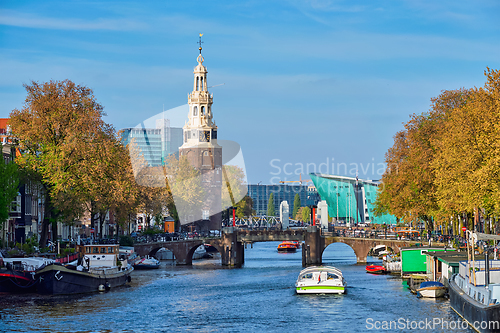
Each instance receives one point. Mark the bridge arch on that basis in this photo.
(362, 246)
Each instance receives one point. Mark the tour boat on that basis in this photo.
(376, 269)
(432, 289)
(287, 247)
(475, 291)
(320, 280)
(146, 263)
(18, 274)
(99, 270)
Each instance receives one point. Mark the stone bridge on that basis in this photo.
(231, 245)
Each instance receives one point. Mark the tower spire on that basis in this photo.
(200, 42)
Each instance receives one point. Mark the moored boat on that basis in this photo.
(376, 269)
(432, 289)
(475, 291)
(287, 247)
(146, 263)
(99, 270)
(320, 280)
(18, 274)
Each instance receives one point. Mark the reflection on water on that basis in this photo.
(208, 297)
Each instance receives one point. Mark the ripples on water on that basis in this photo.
(210, 298)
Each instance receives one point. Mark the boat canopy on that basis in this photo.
(480, 236)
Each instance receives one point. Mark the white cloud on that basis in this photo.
(26, 20)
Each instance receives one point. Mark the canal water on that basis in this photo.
(260, 297)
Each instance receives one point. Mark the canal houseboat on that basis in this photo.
(18, 274)
(320, 280)
(475, 291)
(414, 259)
(99, 269)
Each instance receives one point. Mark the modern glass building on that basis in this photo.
(350, 199)
(282, 192)
(156, 144)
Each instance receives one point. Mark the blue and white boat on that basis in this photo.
(432, 289)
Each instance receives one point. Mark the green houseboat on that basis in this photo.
(414, 259)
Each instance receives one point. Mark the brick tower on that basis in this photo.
(202, 151)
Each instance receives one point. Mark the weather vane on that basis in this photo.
(200, 42)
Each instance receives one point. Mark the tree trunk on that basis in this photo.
(48, 211)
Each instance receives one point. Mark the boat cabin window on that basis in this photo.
(103, 250)
(332, 276)
(307, 276)
(95, 250)
(110, 250)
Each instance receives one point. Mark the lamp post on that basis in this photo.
(338, 194)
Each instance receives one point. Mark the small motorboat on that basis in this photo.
(146, 263)
(376, 269)
(432, 289)
(320, 280)
(287, 247)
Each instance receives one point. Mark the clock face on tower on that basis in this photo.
(204, 136)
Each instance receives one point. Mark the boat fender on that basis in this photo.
(101, 287)
(129, 278)
(107, 286)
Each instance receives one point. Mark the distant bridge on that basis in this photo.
(231, 245)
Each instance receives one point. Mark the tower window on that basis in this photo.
(202, 110)
(202, 87)
(195, 111)
(197, 83)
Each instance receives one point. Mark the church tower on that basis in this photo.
(201, 149)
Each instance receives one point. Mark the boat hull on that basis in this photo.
(432, 292)
(287, 249)
(16, 282)
(374, 269)
(474, 312)
(320, 290)
(59, 280)
(146, 266)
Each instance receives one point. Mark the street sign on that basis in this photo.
(464, 228)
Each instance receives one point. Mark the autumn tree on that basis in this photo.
(443, 167)
(60, 132)
(467, 162)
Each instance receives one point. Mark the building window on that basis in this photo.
(16, 204)
(205, 214)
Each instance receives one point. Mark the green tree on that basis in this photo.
(245, 207)
(184, 184)
(234, 188)
(296, 205)
(9, 182)
(270, 206)
(306, 214)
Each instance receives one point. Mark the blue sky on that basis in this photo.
(308, 85)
